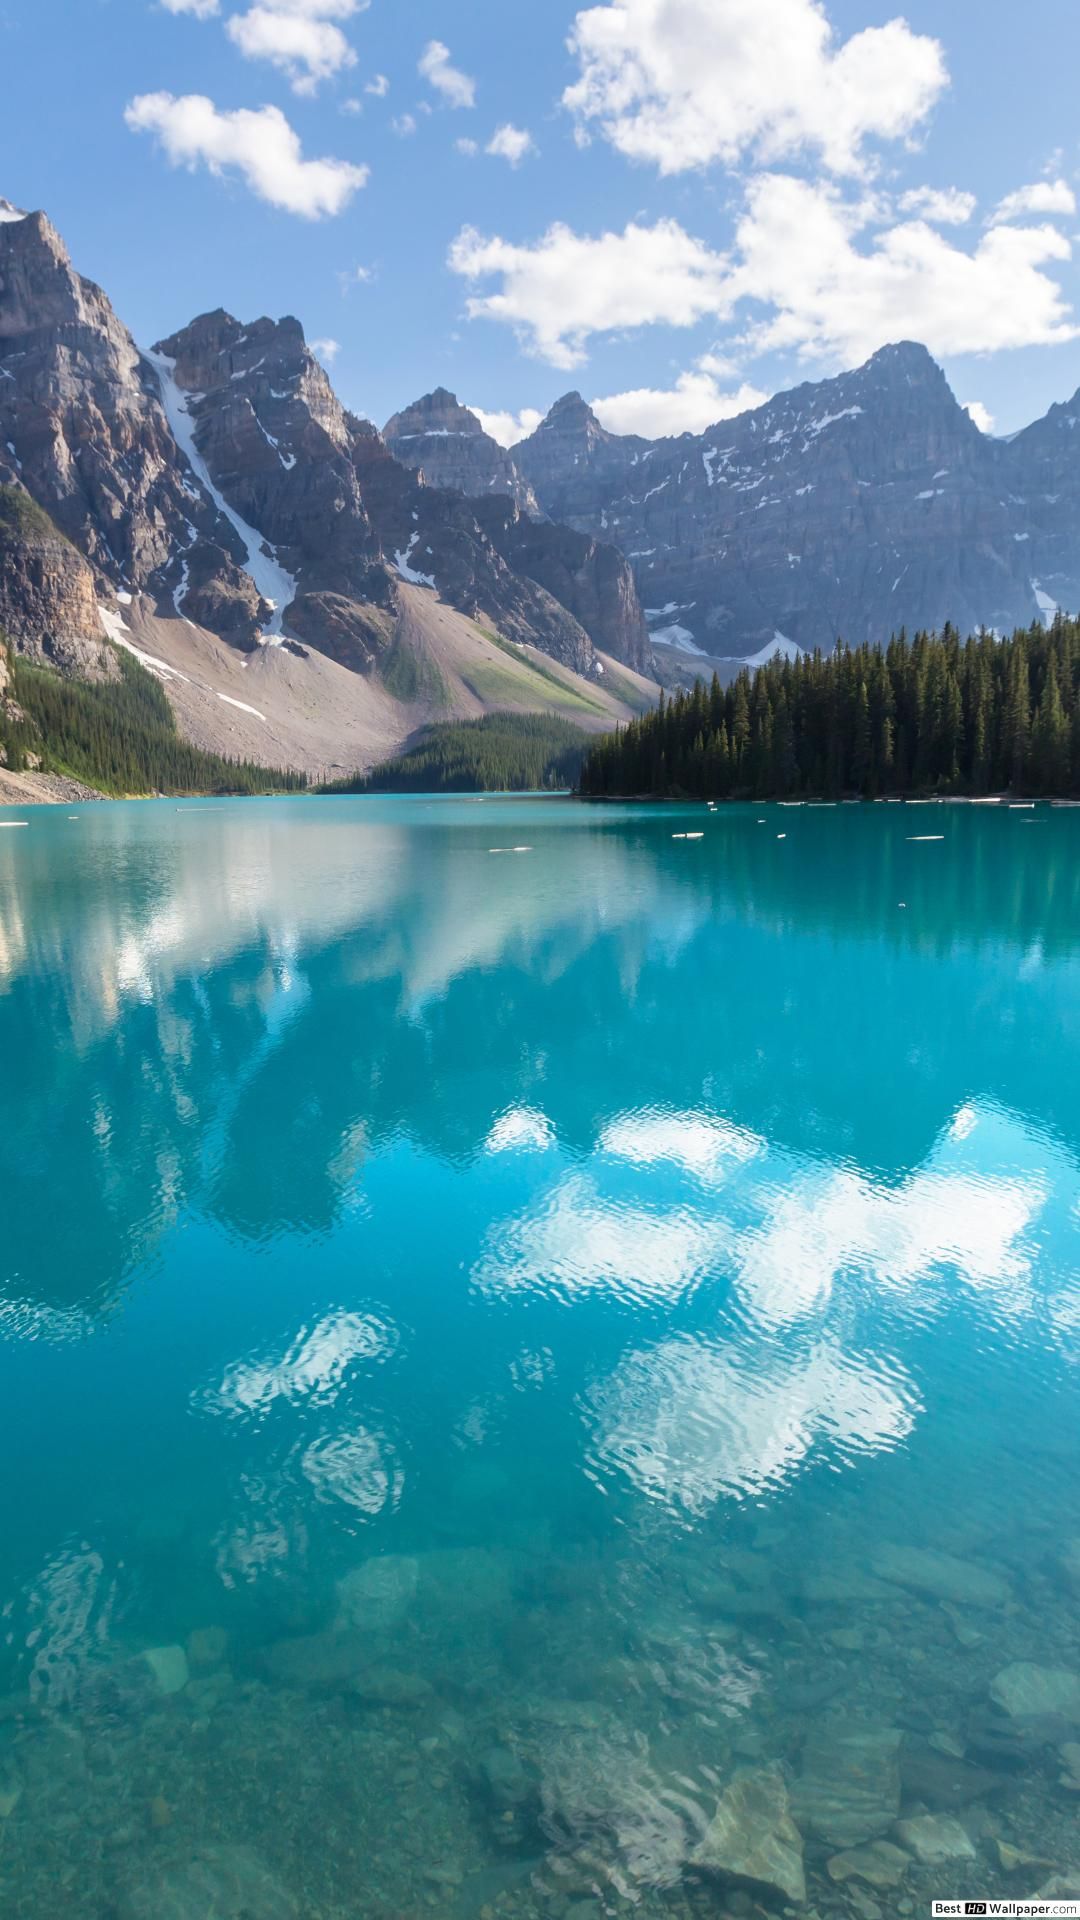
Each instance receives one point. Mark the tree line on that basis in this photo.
(932, 714)
(500, 753)
(119, 736)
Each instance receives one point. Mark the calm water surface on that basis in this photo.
(537, 1383)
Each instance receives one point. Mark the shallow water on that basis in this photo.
(512, 1336)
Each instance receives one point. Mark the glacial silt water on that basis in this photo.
(538, 1359)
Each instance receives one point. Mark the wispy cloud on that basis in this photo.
(435, 65)
(511, 143)
(259, 145)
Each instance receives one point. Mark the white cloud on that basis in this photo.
(682, 83)
(1043, 196)
(202, 9)
(378, 86)
(981, 415)
(404, 126)
(298, 43)
(942, 206)
(520, 1129)
(326, 350)
(576, 1241)
(313, 1368)
(695, 402)
(511, 143)
(832, 298)
(689, 1426)
(351, 106)
(470, 148)
(568, 286)
(355, 277)
(456, 87)
(508, 428)
(258, 144)
(825, 275)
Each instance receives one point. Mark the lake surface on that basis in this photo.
(537, 1383)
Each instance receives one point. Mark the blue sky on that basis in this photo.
(687, 204)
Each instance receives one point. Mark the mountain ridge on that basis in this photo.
(214, 484)
(843, 508)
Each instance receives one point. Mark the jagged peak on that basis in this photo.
(567, 405)
(434, 412)
(10, 215)
(905, 354)
(571, 414)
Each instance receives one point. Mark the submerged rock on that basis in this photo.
(752, 1837)
(506, 1779)
(599, 1789)
(317, 1661)
(1060, 1886)
(377, 1594)
(935, 1839)
(169, 1667)
(10, 1795)
(1028, 1692)
(390, 1687)
(849, 1791)
(1013, 1860)
(940, 1576)
(941, 1781)
(880, 1865)
(219, 1883)
(207, 1647)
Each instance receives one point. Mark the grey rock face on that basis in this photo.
(752, 1837)
(220, 471)
(849, 1791)
(846, 508)
(1028, 1692)
(590, 578)
(444, 441)
(48, 608)
(338, 512)
(81, 422)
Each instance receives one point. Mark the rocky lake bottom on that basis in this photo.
(540, 1400)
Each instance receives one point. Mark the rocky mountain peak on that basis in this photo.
(39, 287)
(436, 412)
(444, 441)
(262, 375)
(572, 416)
(83, 430)
(845, 507)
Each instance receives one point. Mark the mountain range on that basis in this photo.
(845, 509)
(210, 505)
(313, 593)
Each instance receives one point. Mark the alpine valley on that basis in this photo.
(314, 595)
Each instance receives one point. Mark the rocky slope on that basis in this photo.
(82, 429)
(48, 607)
(346, 523)
(443, 440)
(218, 478)
(846, 508)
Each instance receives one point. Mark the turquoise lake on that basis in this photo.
(538, 1359)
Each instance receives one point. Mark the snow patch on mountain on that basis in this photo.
(271, 580)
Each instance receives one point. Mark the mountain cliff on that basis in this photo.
(213, 485)
(443, 440)
(83, 431)
(845, 508)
